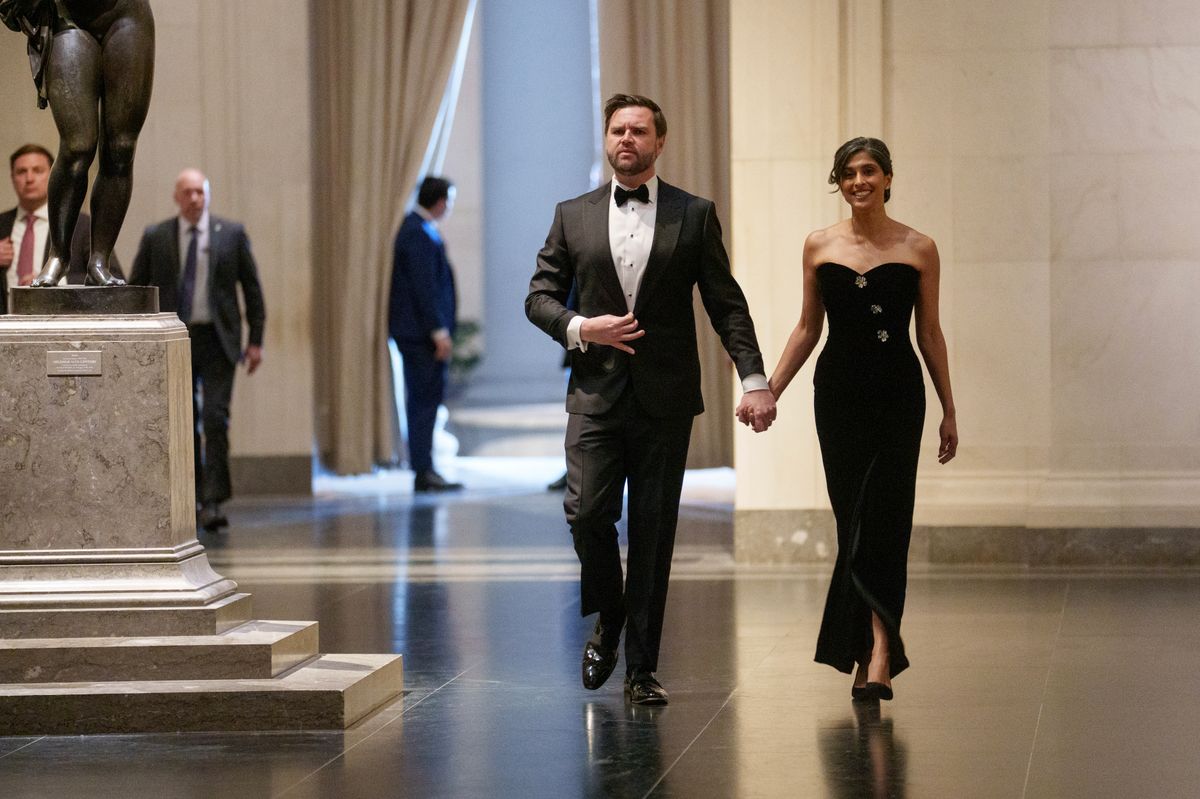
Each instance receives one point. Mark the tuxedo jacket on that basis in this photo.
(81, 244)
(422, 297)
(687, 253)
(230, 264)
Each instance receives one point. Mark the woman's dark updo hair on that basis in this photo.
(872, 147)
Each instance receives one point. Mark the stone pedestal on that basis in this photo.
(107, 600)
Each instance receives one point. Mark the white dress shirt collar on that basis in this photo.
(651, 188)
(185, 226)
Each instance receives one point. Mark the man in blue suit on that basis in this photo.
(421, 319)
(198, 261)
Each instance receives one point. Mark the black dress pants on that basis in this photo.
(424, 390)
(604, 452)
(212, 390)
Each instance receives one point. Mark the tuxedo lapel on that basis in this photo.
(595, 223)
(667, 222)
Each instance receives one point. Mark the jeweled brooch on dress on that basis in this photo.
(876, 309)
(882, 335)
(860, 281)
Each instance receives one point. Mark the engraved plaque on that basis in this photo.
(63, 363)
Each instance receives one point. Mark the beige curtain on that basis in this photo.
(380, 72)
(677, 52)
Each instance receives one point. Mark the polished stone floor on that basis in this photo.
(1050, 685)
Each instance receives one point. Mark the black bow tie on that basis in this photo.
(642, 193)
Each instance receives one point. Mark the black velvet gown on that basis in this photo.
(870, 408)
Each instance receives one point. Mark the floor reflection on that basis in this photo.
(624, 750)
(862, 755)
(480, 594)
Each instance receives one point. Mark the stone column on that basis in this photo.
(805, 76)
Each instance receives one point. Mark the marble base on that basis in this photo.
(327, 692)
(255, 650)
(208, 619)
(111, 617)
(98, 506)
(105, 300)
(810, 536)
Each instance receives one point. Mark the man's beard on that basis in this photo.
(641, 163)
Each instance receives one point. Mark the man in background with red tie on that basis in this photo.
(25, 230)
(198, 260)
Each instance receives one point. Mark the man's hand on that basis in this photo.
(611, 331)
(6, 252)
(253, 357)
(443, 347)
(757, 409)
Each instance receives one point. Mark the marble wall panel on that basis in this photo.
(1158, 205)
(917, 120)
(1124, 99)
(1000, 103)
(1085, 207)
(920, 26)
(1084, 23)
(1002, 390)
(1001, 208)
(955, 26)
(1125, 354)
(1158, 22)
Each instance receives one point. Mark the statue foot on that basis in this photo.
(51, 273)
(98, 274)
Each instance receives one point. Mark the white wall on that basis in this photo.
(1052, 149)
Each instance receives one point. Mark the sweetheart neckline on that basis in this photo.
(872, 269)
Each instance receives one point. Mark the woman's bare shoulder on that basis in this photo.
(920, 249)
(822, 240)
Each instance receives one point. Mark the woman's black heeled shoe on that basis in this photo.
(879, 691)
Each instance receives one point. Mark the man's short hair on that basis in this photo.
(433, 190)
(26, 149)
(619, 101)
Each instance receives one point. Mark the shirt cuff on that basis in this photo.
(440, 333)
(574, 339)
(755, 383)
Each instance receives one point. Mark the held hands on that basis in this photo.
(6, 252)
(612, 331)
(949, 439)
(757, 410)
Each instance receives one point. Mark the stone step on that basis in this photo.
(327, 692)
(254, 650)
(107, 622)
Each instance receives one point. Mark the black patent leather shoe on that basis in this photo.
(210, 517)
(598, 660)
(643, 689)
(430, 480)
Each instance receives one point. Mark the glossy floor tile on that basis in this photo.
(1023, 684)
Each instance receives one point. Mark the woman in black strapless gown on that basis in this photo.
(868, 274)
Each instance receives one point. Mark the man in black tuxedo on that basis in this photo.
(198, 260)
(422, 310)
(25, 230)
(635, 249)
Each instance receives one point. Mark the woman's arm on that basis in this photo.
(932, 344)
(807, 332)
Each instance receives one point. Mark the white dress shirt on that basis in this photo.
(201, 313)
(630, 236)
(41, 232)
